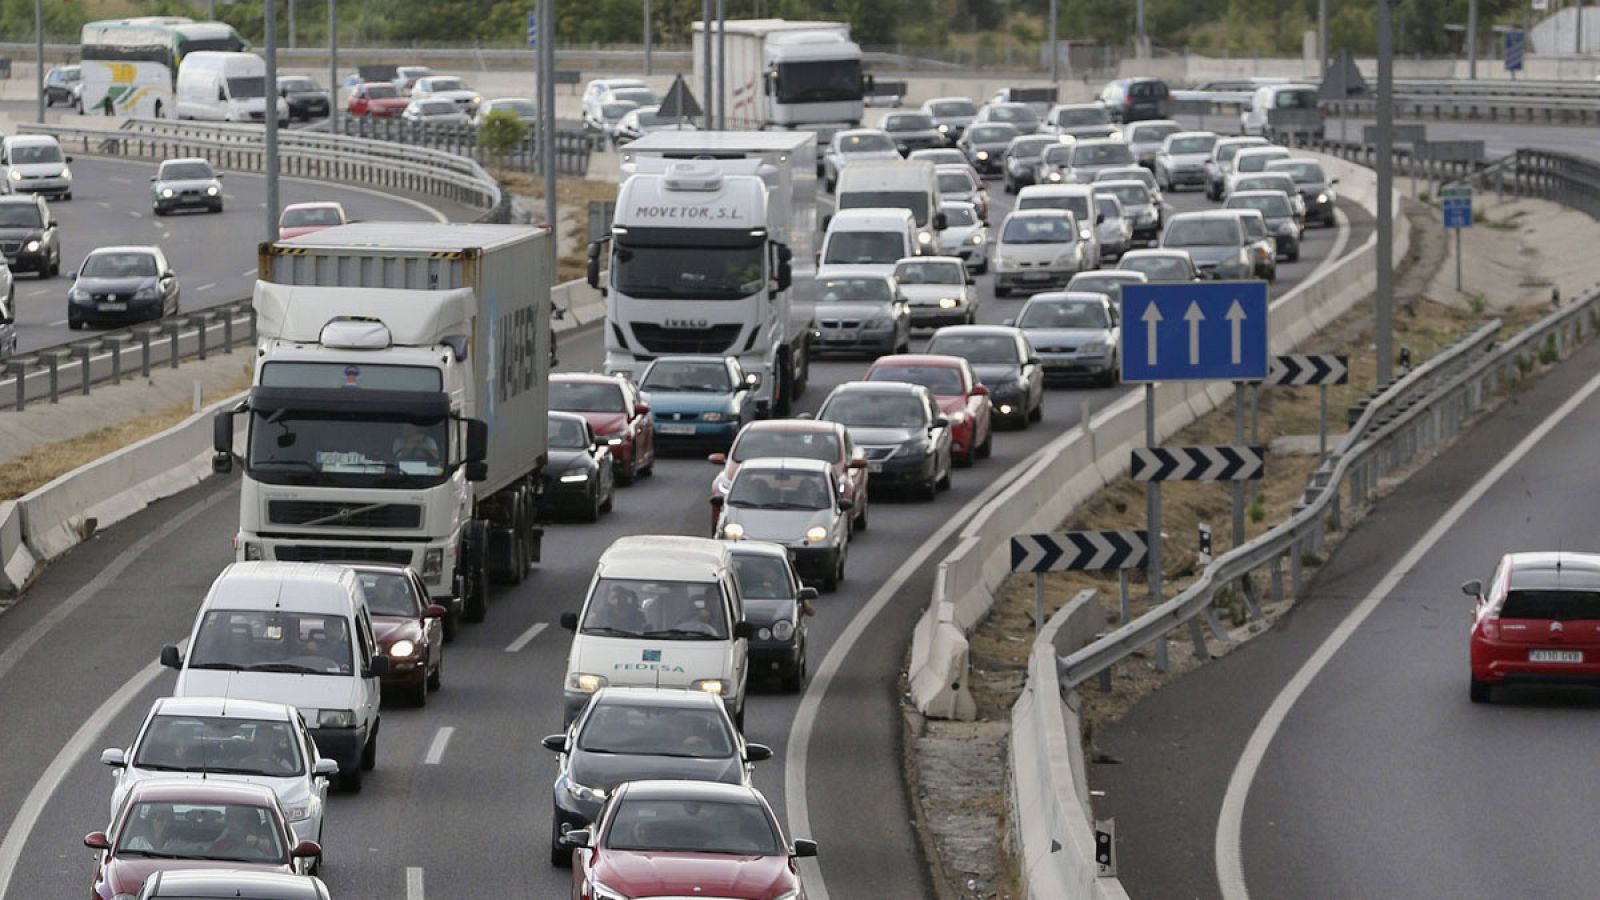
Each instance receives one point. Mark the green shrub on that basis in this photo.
(500, 133)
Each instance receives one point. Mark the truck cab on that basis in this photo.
(789, 75)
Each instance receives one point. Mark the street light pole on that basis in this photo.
(1472, 40)
(1138, 29)
(1384, 306)
(1050, 43)
(269, 117)
(722, 63)
(38, 37)
(333, 68)
(291, 24)
(708, 105)
(547, 119)
(1322, 38)
(647, 37)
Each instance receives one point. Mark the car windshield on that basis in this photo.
(1153, 134)
(1063, 314)
(941, 380)
(272, 641)
(1129, 194)
(436, 108)
(959, 216)
(914, 202)
(1083, 115)
(1030, 148)
(185, 171)
(1057, 154)
(1113, 154)
(1554, 604)
(977, 348)
(780, 489)
(1100, 284)
(247, 87)
(1301, 172)
(1108, 207)
(1127, 173)
(692, 826)
(649, 118)
(624, 728)
(311, 216)
(222, 832)
(382, 92)
(762, 577)
(298, 85)
(875, 410)
(1198, 144)
(930, 273)
(1201, 233)
(1038, 230)
(1020, 116)
(641, 96)
(521, 108)
(909, 122)
(666, 610)
(27, 154)
(956, 183)
(709, 377)
(954, 108)
(446, 84)
(119, 265)
(869, 247)
(367, 450)
(1254, 226)
(219, 745)
(19, 215)
(1256, 162)
(567, 434)
(1265, 183)
(390, 594)
(1276, 206)
(870, 142)
(992, 134)
(1158, 268)
(1226, 152)
(615, 111)
(1302, 99)
(757, 443)
(854, 290)
(1077, 204)
(582, 397)
(670, 272)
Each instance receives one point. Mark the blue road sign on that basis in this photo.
(1195, 331)
(533, 29)
(1456, 201)
(1515, 42)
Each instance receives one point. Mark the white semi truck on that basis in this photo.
(797, 76)
(398, 409)
(699, 255)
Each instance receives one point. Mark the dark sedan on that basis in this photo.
(1314, 185)
(635, 734)
(1005, 362)
(985, 145)
(30, 237)
(579, 477)
(776, 605)
(122, 284)
(306, 99)
(899, 429)
(408, 628)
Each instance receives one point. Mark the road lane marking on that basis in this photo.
(134, 213)
(1230, 822)
(414, 883)
(526, 637)
(1340, 238)
(207, 286)
(441, 742)
(102, 204)
(58, 324)
(247, 273)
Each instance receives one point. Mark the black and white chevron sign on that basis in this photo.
(1317, 368)
(1222, 463)
(1079, 551)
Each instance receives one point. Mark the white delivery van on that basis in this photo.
(294, 633)
(868, 239)
(663, 611)
(907, 184)
(218, 86)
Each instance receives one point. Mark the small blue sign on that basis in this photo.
(1515, 43)
(652, 656)
(1456, 202)
(1195, 331)
(533, 29)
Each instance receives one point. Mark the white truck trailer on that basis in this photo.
(796, 76)
(398, 409)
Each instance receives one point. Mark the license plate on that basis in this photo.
(675, 429)
(1035, 276)
(874, 467)
(113, 307)
(1556, 656)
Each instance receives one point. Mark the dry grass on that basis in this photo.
(572, 195)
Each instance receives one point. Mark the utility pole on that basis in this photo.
(38, 38)
(1384, 306)
(708, 105)
(1577, 39)
(1138, 29)
(333, 68)
(269, 117)
(547, 118)
(1050, 43)
(1322, 39)
(291, 24)
(647, 37)
(1472, 40)
(211, 10)
(722, 61)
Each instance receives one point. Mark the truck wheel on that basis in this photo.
(474, 584)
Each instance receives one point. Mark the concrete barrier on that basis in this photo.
(16, 560)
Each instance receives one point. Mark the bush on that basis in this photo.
(500, 133)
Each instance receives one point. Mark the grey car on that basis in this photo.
(900, 430)
(120, 285)
(1160, 265)
(1018, 115)
(34, 164)
(1279, 215)
(1106, 281)
(30, 236)
(1314, 185)
(1216, 241)
(1089, 157)
(855, 145)
(1182, 159)
(63, 84)
(185, 184)
(1022, 160)
(860, 313)
(951, 115)
(1075, 335)
(1146, 138)
(912, 131)
(1004, 362)
(985, 145)
(1084, 121)
(1140, 207)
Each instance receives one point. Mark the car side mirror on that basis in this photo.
(152, 178)
(1473, 588)
(1100, 219)
(219, 175)
(325, 768)
(114, 758)
(68, 157)
(592, 267)
(641, 409)
(940, 221)
(1333, 181)
(555, 743)
(809, 593)
(306, 850)
(569, 621)
(941, 422)
(97, 840)
(980, 390)
(718, 458)
(222, 436)
(803, 849)
(757, 753)
(170, 657)
(785, 267)
(743, 631)
(435, 611)
(846, 504)
(377, 668)
(578, 837)
(825, 220)
(1033, 361)
(477, 471)
(477, 440)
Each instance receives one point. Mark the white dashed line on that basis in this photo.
(247, 273)
(526, 637)
(133, 213)
(102, 204)
(58, 324)
(207, 286)
(441, 742)
(413, 883)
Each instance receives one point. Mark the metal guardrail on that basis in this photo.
(573, 147)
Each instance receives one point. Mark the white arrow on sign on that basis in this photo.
(1194, 317)
(1236, 318)
(1151, 318)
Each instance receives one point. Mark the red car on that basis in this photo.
(686, 839)
(616, 414)
(1539, 621)
(305, 218)
(378, 99)
(408, 627)
(962, 399)
(805, 438)
(169, 824)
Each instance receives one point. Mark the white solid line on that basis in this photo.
(58, 324)
(207, 286)
(526, 637)
(1340, 238)
(441, 741)
(414, 883)
(1229, 852)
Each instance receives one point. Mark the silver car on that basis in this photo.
(1274, 206)
(965, 235)
(1085, 121)
(1216, 241)
(181, 183)
(34, 164)
(1106, 281)
(1089, 157)
(860, 312)
(1145, 139)
(1056, 161)
(951, 115)
(855, 145)
(1161, 264)
(1038, 249)
(1139, 205)
(435, 111)
(1022, 158)
(912, 131)
(1075, 335)
(1112, 227)
(795, 502)
(938, 290)
(1182, 159)
(1018, 115)
(959, 182)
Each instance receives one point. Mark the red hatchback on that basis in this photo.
(962, 399)
(378, 99)
(170, 824)
(616, 414)
(686, 839)
(408, 627)
(1538, 622)
(803, 438)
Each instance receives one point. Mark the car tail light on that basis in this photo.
(1490, 626)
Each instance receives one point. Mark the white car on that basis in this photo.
(526, 111)
(794, 502)
(597, 89)
(447, 87)
(965, 235)
(406, 78)
(942, 156)
(643, 120)
(852, 146)
(960, 182)
(1038, 250)
(1253, 161)
(1146, 139)
(938, 291)
(229, 740)
(436, 111)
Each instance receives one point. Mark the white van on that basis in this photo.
(295, 633)
(1282, 111)
(663, 611)
(907, 184)
(870, 239)
(226, 87)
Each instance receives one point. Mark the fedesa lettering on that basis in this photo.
(689, 213)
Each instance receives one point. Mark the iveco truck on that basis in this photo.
(699, 255)
(797, 76)
(399, 404)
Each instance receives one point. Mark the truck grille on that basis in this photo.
(715, 339)
(344, 515)
(313, 553)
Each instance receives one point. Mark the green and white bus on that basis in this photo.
(130, 66)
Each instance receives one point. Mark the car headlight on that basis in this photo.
(924, 237)
(476, 100)
(977, 239)
(1114, 136)
(78, 295)
(816, 534)
(147, 293)
(15, 175)
(878, 324)
(166, 193)
(982, 154)
(712, 416)
(336, 718)
(33, 246)
(584, 792)
(298, 812)
(949, 302)
(1093, 347)
(574, 477)
(783, 630)
(1084, 232)
(213, 190)
(402, 649)
(944, 129)
(733, 531)
(710, 685)
(66, 173)
(1322, 198)
(585, 682)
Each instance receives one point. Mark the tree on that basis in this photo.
(500, 133)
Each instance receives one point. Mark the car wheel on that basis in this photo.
(929, 489)
(158, 211)
(861, 517)
(560, 855)
(949, 466)
(966, 459)
(592, 513)
(452, 624)
(738, 718)
(610, 501)
(1295, 255)
(418, 696)
(369, 753)
(830, 581)
(983, 268)
(75, 324)
(986, 449)
(794, 678)
(1480, 691)
(631, 471)
(1037, 413)
(436, 677)
(1002, 291)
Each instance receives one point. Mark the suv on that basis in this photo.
(1535, 620)
(1137, 99)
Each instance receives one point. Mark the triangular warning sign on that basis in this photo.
(1342, 80)
(679, 103)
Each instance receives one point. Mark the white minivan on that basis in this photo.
(908, 184)
(870, 239)
(663, 611)
(220, 86)
(294, 633)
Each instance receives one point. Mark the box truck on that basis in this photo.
(798, 76)
(398, 408)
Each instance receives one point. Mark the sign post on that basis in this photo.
(1077, 551)
(1456, 202)
(1516, 43)
(1320, 369)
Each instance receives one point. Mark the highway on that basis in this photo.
(77, 667)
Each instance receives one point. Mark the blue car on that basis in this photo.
(699, 401)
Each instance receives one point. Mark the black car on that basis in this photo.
(62, 85)
(1004, 361)
(638, 734)
(122, 284)
(776, 605)
(985, 145)
(1137, 99)
(30, 237)
(1314, 185)
(579, 478)
(307, 100)
(900, 430)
